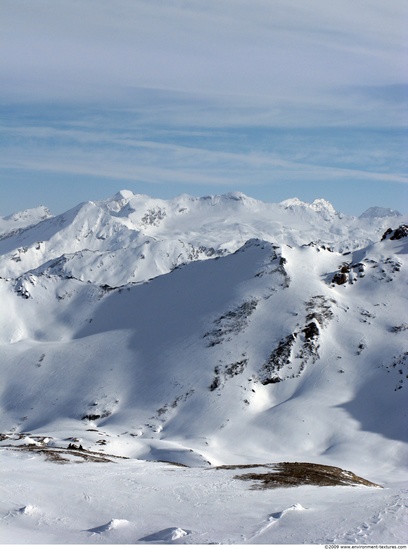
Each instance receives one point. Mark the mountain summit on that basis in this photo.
(379, 212)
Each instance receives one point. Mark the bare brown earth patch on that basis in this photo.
(63, 455)
(294, 474)
(264, 476)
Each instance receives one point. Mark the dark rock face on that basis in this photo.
(232, 322)
(294, 352)
(400, 233)
(349, 273)
(340, 278)
(387, 233)
(396, 234)
(280, 357)
(311, 331)
(222, 374)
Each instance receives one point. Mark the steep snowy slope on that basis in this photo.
(243, 353)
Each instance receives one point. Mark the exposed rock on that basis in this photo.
(231, 322)
(229, 371)
(278, 359)
(399, 233)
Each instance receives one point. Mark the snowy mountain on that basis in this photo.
(20, 220)
(132, 238)
(207, 332)
(379, 212)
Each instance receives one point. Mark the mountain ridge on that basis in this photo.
(164, 234)
(152, 350)
(188, 354)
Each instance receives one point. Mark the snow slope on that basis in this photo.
(233, 340)
(131, 502)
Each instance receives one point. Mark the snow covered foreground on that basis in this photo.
(144, 343)
(146, 502)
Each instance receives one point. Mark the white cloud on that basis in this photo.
(161, 163)
(175, 92)
(81, 49)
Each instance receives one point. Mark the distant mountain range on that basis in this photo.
(132, 238)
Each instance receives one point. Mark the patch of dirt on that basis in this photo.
(59, 454)
(294, 474)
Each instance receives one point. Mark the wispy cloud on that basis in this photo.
(218, 93)
(78, 50)
(135, 160)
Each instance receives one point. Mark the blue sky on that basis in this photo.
(274, 98)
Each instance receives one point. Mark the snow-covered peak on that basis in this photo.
(379, 212)
(293, 202)
(231, 197)
(30, 214)
(321, 205)
(124, 194)
(132, 237)
(24, 218)
(117, 202)
(236, 196)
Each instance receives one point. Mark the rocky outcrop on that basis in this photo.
(396, 234)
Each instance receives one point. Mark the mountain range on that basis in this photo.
(207, 332)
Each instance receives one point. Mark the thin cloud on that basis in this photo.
(219, 93)
(78, 50)
(163, 163)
